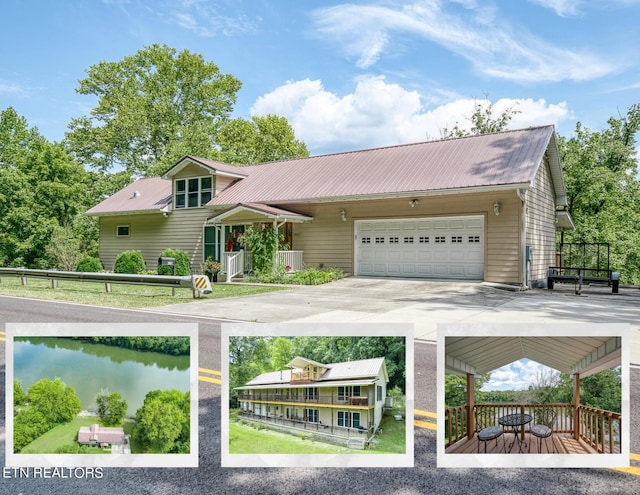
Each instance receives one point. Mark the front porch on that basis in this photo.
(237, 263)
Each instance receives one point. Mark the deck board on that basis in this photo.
(565, 444)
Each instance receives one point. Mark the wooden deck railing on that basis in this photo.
(311, 399)
(598, 428)
(601, 429)
(305, 376)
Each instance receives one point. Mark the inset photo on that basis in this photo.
(524, 395)
(107, 395)
(317, 395)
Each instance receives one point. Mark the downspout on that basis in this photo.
(524, 279)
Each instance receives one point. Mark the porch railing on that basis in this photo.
(290, 260)
(233, 264)
(309, 399)
(238, 262)
(300, 423)
(305, 376)
(598, 428)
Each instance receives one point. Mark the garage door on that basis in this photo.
(442, 247)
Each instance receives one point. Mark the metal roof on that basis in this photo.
(505, 159)
(257, 213)
(584, 355)
(149, 195)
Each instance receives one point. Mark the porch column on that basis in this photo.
(471, 384)
(576, 406)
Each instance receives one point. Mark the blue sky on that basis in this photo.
(519, 375)
(346, 75)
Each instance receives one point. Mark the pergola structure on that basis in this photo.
(577, 356)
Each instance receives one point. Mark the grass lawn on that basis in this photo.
(246, 439)
(61, 435)
(121, 296)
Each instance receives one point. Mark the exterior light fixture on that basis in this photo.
(496, 208)
(413, 203)
(343, 215)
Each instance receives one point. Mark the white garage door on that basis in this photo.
(442, 247)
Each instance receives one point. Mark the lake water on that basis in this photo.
(92, 368)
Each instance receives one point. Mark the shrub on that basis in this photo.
(210, 267)
(129, 262)
(64, 249)
(90, 264)
(314, 276)
(183, 267)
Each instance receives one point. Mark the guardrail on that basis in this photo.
(199, 284)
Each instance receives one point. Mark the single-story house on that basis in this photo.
(100, 435)
(483, 207)
(337, 400)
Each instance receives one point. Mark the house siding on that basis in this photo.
(329, 242)
(540, 225)
(152, 234)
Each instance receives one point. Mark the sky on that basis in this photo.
(518, 375)
(346, 75)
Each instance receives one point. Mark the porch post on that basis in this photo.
(576, 406)
(471, 430)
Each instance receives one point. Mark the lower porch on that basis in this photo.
(564, 444)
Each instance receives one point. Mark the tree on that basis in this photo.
(281, 353)
(163, 422)
(19, 397)
(154, 107)
(482, 121)
(603, 190)
(112, 408)
(259, 140)
(55, 400)
(263, 242)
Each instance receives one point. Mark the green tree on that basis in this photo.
(28, 425)
(162, 423)
(483, 121)
(263, 242)
(112, 408)
(259, 140)
(281, 353)
(603, 191)
(55, 400)
(154, 107)
(19, 397)
(602, 390)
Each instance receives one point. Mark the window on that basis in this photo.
(456, 239)
(393, 240)
(378, 392)
(379, 240)
(424, 240)
(356, 391)
(440, 239)
(474, 239)
(122, 231)
(408, 240)
(366, 240)
(311, 415)
(343, 393)
(193, 193)
(348, 419)
(311, 393)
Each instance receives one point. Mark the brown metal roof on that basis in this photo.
(501, 159)
(150, 195)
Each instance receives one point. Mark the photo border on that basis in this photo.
(545, 329)
(318, 330)
(108, 330)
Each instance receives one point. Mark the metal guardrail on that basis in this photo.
(199, 284)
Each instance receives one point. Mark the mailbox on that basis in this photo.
(167, 261)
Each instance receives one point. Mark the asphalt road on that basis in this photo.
(209, 477)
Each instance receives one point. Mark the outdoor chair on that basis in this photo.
(487, 433)
(543, 429)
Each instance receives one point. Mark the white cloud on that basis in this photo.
(378, 113)
(204, 19)
(478, 34)
(563, 8)
(8, 87)
(518, 375)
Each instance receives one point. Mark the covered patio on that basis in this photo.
(223, 230)
(574, 428)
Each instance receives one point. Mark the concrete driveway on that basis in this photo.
(426, 303)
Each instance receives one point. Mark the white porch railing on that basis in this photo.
(237, 262)
(291, 260)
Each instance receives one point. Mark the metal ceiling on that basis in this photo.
(584, 355)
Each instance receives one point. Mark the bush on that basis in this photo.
(90, 264)
(129, 262)
(313, 276)
(183, 267)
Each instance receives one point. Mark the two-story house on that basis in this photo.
(338, 402)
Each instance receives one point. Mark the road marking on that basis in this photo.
(630, 470)
(635, 457)
(2, 338)
(209, 379)
(427, 414)
(209, 372)
(425, 424)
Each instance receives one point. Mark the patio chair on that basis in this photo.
(487, 433)
(543, 429)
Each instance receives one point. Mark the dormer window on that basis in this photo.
(193, 192)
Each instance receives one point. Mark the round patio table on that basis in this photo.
(515, 421)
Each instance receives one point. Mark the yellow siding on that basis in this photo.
(328, 241)
(153, 233)
(540, 221)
